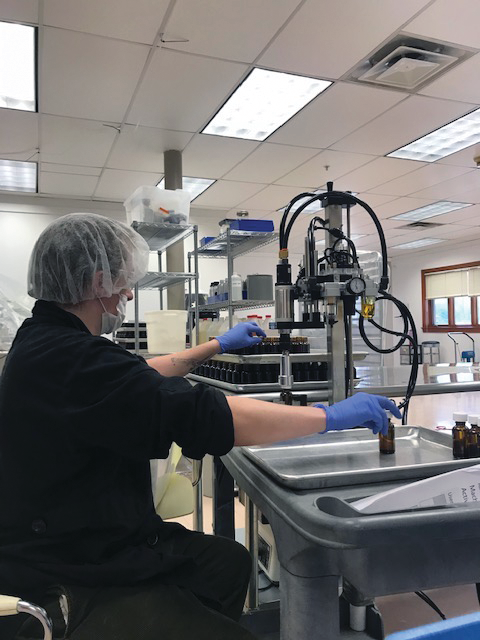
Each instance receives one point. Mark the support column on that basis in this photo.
(308, 607)
(176, 254)
(336, 332)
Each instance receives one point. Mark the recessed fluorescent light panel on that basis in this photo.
(17, 66)
(195, 186)
(431, 210)
(417, 243)
(262, 103)
(18, 176)
(457, 135)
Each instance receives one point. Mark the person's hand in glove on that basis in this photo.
(360, 410)
(243, 334)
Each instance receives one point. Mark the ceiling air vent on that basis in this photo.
(407, 63)
(422, 225)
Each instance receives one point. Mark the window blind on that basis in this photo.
(450, 284)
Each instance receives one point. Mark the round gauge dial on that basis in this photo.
(356, 286)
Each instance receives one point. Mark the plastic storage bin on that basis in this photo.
(246, 224)
(166, 331)
(462, 628)
(151, 204)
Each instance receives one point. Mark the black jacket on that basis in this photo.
(80, 418)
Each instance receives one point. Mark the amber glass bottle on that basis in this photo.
(387, 442)
(473, 438)
(459, 435)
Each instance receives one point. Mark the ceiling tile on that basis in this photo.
(118, 185)
(141, 148)
(88, 77)
(18, 134)
(68, 168)
(272, 197)
(322, 39)
(401, 205)
(455, 187)
(330, 116)
(373, 200)
(377, 172)
(421, 178)
(403, 123)
(73, 141)
(66, 184)
(15, 11)
(213, 156)
(269, 162)
(470, 217)
(137, 21)
(182, 92)
(227, 194)
(472, 195)
(314, 172)
(458, 82)
(229, 29)
(456, 23)
(463, 158)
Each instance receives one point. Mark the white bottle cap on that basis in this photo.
(389, 414)
(460, 417)
(473, 419)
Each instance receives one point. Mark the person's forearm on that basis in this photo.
(260, 422)
(183, 362)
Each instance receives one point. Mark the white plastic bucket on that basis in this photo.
(166, 331)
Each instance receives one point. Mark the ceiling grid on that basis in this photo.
(122, 82)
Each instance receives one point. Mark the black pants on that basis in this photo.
(155, 611)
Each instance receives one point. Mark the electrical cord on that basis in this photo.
(431, 603)
(271, 583)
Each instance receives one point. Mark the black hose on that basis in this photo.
(297, 212)
(352, 248)
(285, 214)
(348, 352)
(407, 321)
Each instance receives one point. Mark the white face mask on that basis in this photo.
(110, 321)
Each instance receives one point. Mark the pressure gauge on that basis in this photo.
(356, 286)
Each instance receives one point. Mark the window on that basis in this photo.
(440, 311)
(451, 298)
(462, 310)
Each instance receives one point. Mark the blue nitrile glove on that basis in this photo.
(241, 335)
(361, 410)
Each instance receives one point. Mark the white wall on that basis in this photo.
(407, 286)
(18, 233)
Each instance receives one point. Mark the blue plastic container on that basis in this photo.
(246, 224)
(462, 628)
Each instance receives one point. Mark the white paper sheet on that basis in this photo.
(455, 487)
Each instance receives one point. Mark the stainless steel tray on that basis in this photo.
(352, 457)
(261, 387)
